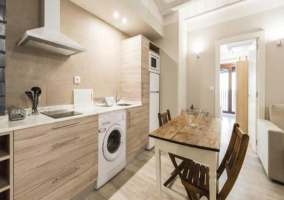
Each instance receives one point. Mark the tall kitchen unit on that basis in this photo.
(154, 101)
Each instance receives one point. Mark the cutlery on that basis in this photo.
(35, 90)
(38, 93)
(34, 98)
(30, 95)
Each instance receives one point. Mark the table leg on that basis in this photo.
(217, 165)
(158, 171)
(213, 176)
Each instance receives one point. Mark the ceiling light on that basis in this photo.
(116, 14)
(124, 20)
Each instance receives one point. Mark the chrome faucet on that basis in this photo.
(116, 95)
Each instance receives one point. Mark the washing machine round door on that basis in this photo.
(112, 145)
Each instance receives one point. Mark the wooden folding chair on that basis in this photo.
(165, 118)
(195, 177)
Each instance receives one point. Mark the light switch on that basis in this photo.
(212, 88)
(77, 79)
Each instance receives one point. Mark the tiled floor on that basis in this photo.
(137, 180)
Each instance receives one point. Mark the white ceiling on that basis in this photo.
(203, 6)
(238, 10)
(165, 6)
(192, 7)
(140, 19)
(230, 52)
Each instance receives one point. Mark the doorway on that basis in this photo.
(257, 108)
(232, 55)
(228, 88)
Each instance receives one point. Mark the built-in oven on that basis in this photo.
(154, 62)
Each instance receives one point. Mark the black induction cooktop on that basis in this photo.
(56, 114)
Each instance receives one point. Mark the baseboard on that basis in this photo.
(84, 193)
(129, 159)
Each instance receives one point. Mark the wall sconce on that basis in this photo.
(279, 43)
(197, 55)
(197, 48)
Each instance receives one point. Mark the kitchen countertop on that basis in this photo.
(37, 120)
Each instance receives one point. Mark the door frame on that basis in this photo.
(260, 36)
(260, 74)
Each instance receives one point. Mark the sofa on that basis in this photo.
(270, 141)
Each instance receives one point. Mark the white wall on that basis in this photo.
(169, 46)
(173, 64)
(182, 92)
(200, 73)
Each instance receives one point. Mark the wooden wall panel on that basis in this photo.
(135, 86)
(131, 69)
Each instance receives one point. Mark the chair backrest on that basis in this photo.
(164, 118)
(233, 160)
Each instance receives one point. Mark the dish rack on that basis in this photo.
(16, 114)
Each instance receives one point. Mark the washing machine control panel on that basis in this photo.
(119, 117)
(105, 120)
(110, 118)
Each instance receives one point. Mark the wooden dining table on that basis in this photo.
(200, 143)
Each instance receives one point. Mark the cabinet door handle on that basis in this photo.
(142, 89)
(60, 144)
(66, 174)
(65, 125)
(128, 119)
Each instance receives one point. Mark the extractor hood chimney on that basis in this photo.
(48, 37)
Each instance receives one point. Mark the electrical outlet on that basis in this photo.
(211, 88)
(77, 79)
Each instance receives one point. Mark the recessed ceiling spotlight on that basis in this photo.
(116, 14)
(124, 20)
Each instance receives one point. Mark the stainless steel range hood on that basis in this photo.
(48, 37)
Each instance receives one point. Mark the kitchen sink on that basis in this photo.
(124, 104)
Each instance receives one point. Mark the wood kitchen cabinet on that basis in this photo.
(55, 161)
(135, 87)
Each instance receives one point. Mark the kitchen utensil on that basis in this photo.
(30, 95)
(35, 90)
(34, 98)
(38, 93)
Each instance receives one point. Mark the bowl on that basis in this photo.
(193, 117)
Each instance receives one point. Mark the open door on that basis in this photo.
(242, 70)
(252, 108)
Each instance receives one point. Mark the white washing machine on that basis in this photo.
(112, 145)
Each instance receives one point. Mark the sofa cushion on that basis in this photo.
(276, 114)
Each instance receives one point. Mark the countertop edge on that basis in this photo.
(41, 119)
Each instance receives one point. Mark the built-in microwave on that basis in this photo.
(154, 62)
